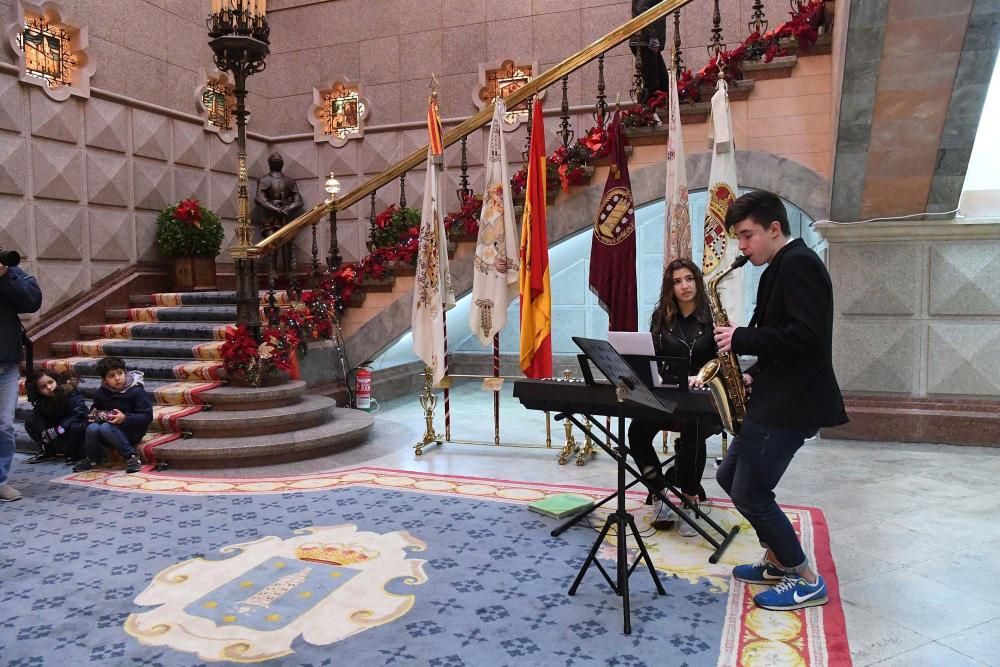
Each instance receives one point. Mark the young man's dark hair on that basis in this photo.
(108, 364)
(762, 207)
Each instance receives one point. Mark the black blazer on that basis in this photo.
(792, 335)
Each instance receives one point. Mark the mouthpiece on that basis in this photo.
(740, 261)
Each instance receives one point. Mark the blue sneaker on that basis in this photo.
(763, 572)
(793, 592)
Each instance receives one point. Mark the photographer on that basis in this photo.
(19, 293)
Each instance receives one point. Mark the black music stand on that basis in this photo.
(629, 389)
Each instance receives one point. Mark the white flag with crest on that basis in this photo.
(721, 249)
(676, 217)
(432, 292)
(495, 273)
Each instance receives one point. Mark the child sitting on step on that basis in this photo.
(59, 417)
(119, 417)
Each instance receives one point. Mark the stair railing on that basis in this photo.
(481, 119)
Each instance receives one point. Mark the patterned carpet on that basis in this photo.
(365, 566)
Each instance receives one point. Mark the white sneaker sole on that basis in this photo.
(813, 602)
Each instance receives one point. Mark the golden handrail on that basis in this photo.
(542, 81)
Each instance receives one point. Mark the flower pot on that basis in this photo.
(192, 274)
(273, 379)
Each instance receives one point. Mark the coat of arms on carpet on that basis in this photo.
(325, 584)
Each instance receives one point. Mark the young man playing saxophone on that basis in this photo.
(794, 392)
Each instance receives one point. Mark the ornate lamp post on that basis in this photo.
(332, 187)
(238, 33)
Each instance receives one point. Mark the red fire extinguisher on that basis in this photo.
(363, 388)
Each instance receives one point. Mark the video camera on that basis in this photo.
(9, 257)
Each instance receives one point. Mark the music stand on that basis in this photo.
(629, 389)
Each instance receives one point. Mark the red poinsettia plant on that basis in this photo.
(252, 362)
(466, 220)
(188, 228)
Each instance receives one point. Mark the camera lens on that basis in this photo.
(9, 258)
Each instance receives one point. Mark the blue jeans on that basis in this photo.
(99, 435)
(8, 403)
(751, 470)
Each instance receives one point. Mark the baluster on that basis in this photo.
(402, 190)
(334, 259)
(371, 228)
(527, 141)
(314, 274)
(602, 99)
(678, 60)
(272, 276)
(716, 45)
(464, 191)
(291, 267)
(758, 22)
(565, 132)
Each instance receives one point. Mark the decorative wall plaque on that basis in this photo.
(338, 113)
(52, 51)
(216, 99)
(498, 80)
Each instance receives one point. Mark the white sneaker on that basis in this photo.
(684, 529)
(9, 494)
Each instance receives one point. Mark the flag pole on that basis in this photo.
(496, 392)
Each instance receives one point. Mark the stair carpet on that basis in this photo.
(175, 340)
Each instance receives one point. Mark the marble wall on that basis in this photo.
(81, 182)
(917, 307)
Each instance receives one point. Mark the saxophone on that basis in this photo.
(722, 375)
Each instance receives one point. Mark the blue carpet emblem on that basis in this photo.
(271, 595)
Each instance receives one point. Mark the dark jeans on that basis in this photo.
(690, 446)
(654, 71)
(751, 470)
(99, 435)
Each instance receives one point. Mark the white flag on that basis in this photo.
(495, 273)
(721, 249)
(676, 218)
(432, 293)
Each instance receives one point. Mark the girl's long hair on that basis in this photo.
(665, 313)
(58, 398)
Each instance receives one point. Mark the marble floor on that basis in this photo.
(915, 529)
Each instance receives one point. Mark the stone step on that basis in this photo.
(308, 412)
(347, 428)
(186, 370)
(157, 348)
(173, 314)
(156, 330)
(213, 298)
(231, 398)
(779, 68)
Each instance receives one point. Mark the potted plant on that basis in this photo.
(267, 363)
(191, 235)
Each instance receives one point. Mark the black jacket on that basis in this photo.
(133, 401)
(671, 343)
(69, 412)
(19, 293)
(792, 335)
(658, 29)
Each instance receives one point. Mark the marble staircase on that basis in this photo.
(199, 421)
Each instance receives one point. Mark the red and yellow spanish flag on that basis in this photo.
(536, 296)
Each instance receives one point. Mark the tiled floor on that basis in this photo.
(915, 529)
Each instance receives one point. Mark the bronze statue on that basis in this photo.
(277, 203)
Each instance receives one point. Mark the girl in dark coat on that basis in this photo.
(59, 417)
(682, 327)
